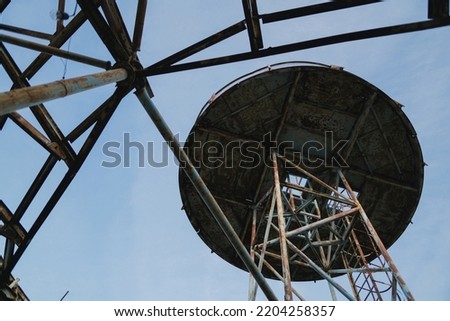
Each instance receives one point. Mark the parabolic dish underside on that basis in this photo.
(302, 106)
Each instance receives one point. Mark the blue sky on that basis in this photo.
(120, 234)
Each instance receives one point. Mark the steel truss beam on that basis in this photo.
(438, 13)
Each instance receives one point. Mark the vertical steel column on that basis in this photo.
(282, 232)
(44, 49)
(203, 190)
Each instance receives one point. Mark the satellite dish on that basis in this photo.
(302, 111)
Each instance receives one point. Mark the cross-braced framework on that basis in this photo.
(321, 231)
(121, 65)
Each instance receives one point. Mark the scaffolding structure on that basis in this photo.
(344, 233)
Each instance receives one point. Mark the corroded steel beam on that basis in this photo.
(157, 68)
(313, 9)
(26, 32)
(34, 133)
(117, 25)
(199, 46)
(35, 187)
(378, 241)
(40, 112)
(282, 232)
(102, 28)
(56, 52)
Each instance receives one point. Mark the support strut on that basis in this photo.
(203, 191)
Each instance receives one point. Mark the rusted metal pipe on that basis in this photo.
(359, 270)
(203, 191)
(31, 96)
(252, 285)
(61, 9)
(163, 68)
(282, 232)
(55, 51)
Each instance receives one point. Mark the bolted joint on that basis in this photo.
(135, 78)
(131, 73)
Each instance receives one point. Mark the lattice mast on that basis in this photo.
(322, 226)
(121, 65)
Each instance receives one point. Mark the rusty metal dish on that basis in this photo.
(384, 165)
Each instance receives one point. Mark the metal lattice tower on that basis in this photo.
(294, 199)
